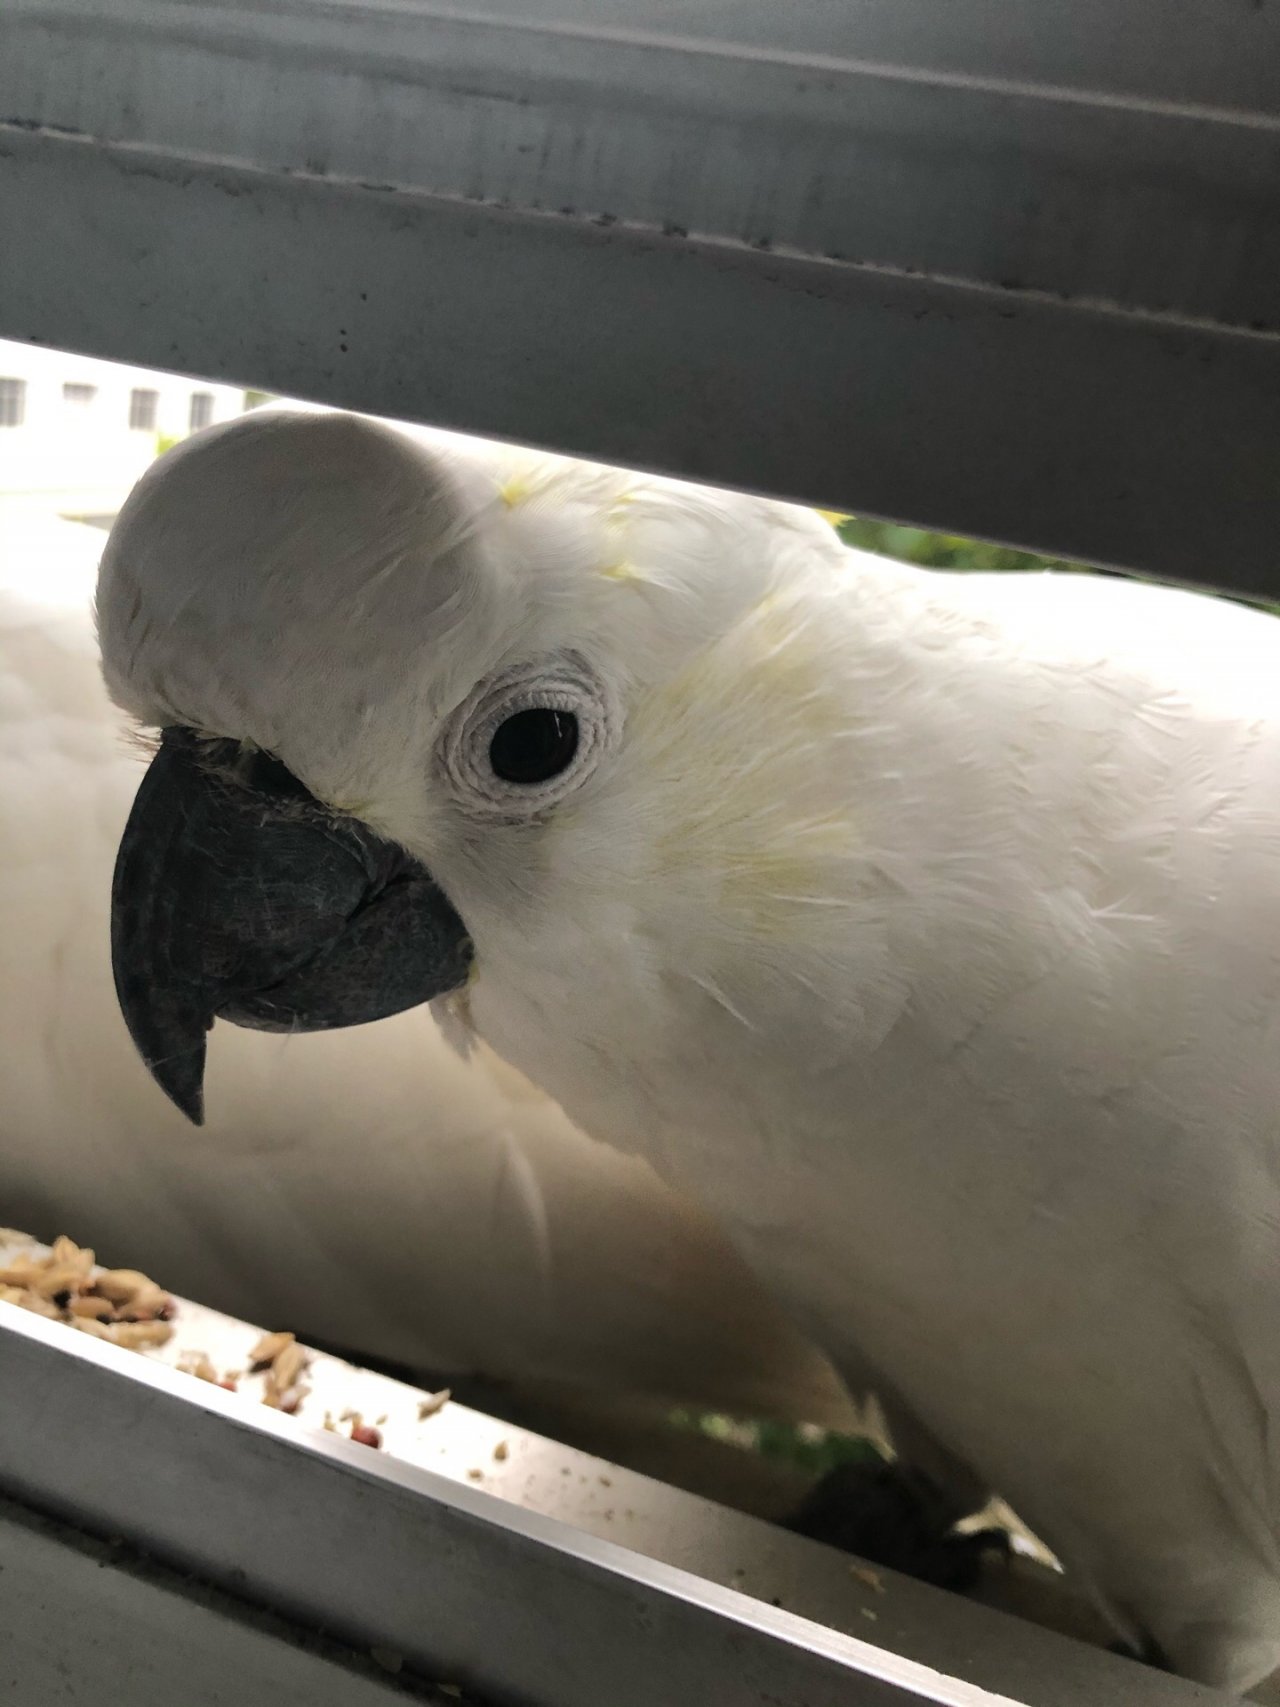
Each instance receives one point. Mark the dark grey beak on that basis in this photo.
(238, 896)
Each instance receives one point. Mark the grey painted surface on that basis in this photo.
(471, 1588)
(84, 1624)
(1118, 149)
(1023, 273)
(684, 1525)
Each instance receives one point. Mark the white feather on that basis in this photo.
(925, 928)
(367, 1188)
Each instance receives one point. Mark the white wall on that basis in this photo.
(84, 456)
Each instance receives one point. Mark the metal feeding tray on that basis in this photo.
(465, 1559)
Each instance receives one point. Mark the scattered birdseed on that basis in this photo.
(197, 1363)
(120, 1305)
(269, 1348)
(432, 1403)
(866, 1575)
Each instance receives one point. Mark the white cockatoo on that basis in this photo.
(924, 928)
(371, 1189)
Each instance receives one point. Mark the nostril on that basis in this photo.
(269, 775)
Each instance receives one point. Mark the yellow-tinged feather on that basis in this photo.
(773, 873)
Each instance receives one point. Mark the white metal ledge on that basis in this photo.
(470, 1588)
(1003, 267)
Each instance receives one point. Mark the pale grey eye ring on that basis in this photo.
(585, 723)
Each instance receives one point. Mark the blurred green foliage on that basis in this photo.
(950, 551)
(801, 1445)
(939, 550)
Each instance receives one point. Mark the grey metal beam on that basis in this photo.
(1008, 269)
(86, 1622)
(912, 135)
(465, 1586)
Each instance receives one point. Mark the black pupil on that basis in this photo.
(533, 746)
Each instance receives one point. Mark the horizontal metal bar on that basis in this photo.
(471, 1589)
(466, 1587)
(74, 1613)
(960, 142)
(1063, 429)
(987, 265)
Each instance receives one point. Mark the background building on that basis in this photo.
(77, 432)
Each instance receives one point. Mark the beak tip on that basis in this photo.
(181, 1078)
(192, 1106)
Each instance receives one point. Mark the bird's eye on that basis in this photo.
(529, 737)
(534, 745)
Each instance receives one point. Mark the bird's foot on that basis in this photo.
(1146, 1652)
(894, 1516)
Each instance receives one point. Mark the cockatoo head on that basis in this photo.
(420, 699)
